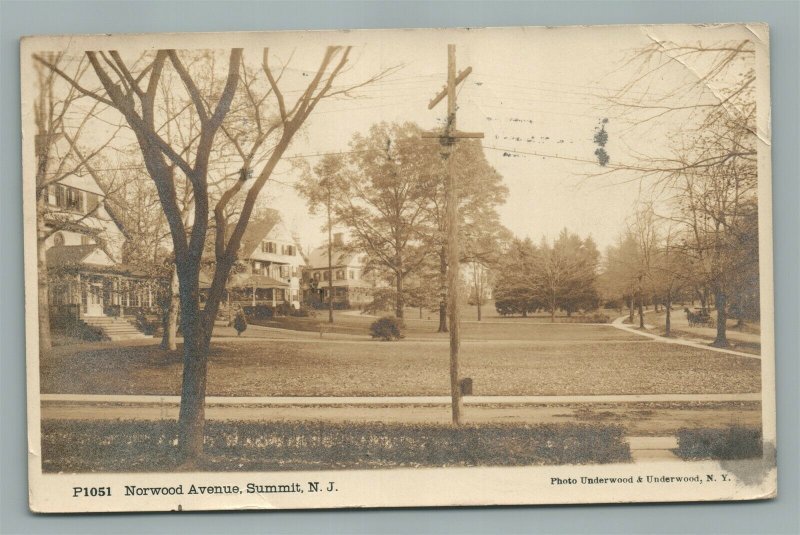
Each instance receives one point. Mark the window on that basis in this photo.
(339, 274)
(257, 267)
(316, 275)
(60, 196)
(268, 247)
(85, 240)
(58, 239)
(289, 250)
(74, 200)
(325, 275)
(352, 274)
(285, 270)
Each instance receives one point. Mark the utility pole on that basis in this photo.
(448, 138)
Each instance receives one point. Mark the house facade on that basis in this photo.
(352, 285)
(273, 264)
(83, 244)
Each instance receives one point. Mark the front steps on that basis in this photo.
(115, 328)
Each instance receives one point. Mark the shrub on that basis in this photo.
(736, 442)
(387, 328)
(135, 446)
(258, 312)
(303, 312)
(74, 331)
(312, 300)
(147, 323)
(596, 317)
(284, 309)
(240, 322)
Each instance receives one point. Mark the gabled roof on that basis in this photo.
(60, 255)
(318, 258)
(256, 231)
(90, 257)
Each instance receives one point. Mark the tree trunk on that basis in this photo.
(552, 313)
(722, 318)
(479, 309)
(641, 314)
(191, 420)
(668, 319)
(630, 309)
(168, 339)
(640, 305)
(45, 340)
(197, 326)
(442, 290)
(399, 304)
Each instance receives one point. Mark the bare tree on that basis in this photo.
(57, 156)
(132, 89)
(708, 173)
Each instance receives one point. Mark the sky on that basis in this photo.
(537, 94)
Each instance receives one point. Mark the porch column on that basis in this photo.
(254, 295)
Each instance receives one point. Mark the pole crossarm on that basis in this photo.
(452, 134)
(443, 93)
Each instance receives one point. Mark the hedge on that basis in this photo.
(130, 446)
(728, 443)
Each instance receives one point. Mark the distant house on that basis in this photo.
(86, 276)
(352, 287)
(273, 264)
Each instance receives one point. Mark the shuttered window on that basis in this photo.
(92, 200)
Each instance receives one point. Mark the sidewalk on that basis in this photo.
(618, 323)
(397, 400)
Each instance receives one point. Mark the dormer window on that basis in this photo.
(74, 200)
(58, 238)
(269, 247)
(70, 198)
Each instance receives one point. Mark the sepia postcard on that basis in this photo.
(394, 268)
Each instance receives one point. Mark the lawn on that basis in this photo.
(744, 338)
(511, 359)
(516, 328)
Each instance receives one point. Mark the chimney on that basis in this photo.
(338, 241)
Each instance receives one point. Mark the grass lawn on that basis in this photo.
(503, 359)
(516, 328)
(745, 338)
